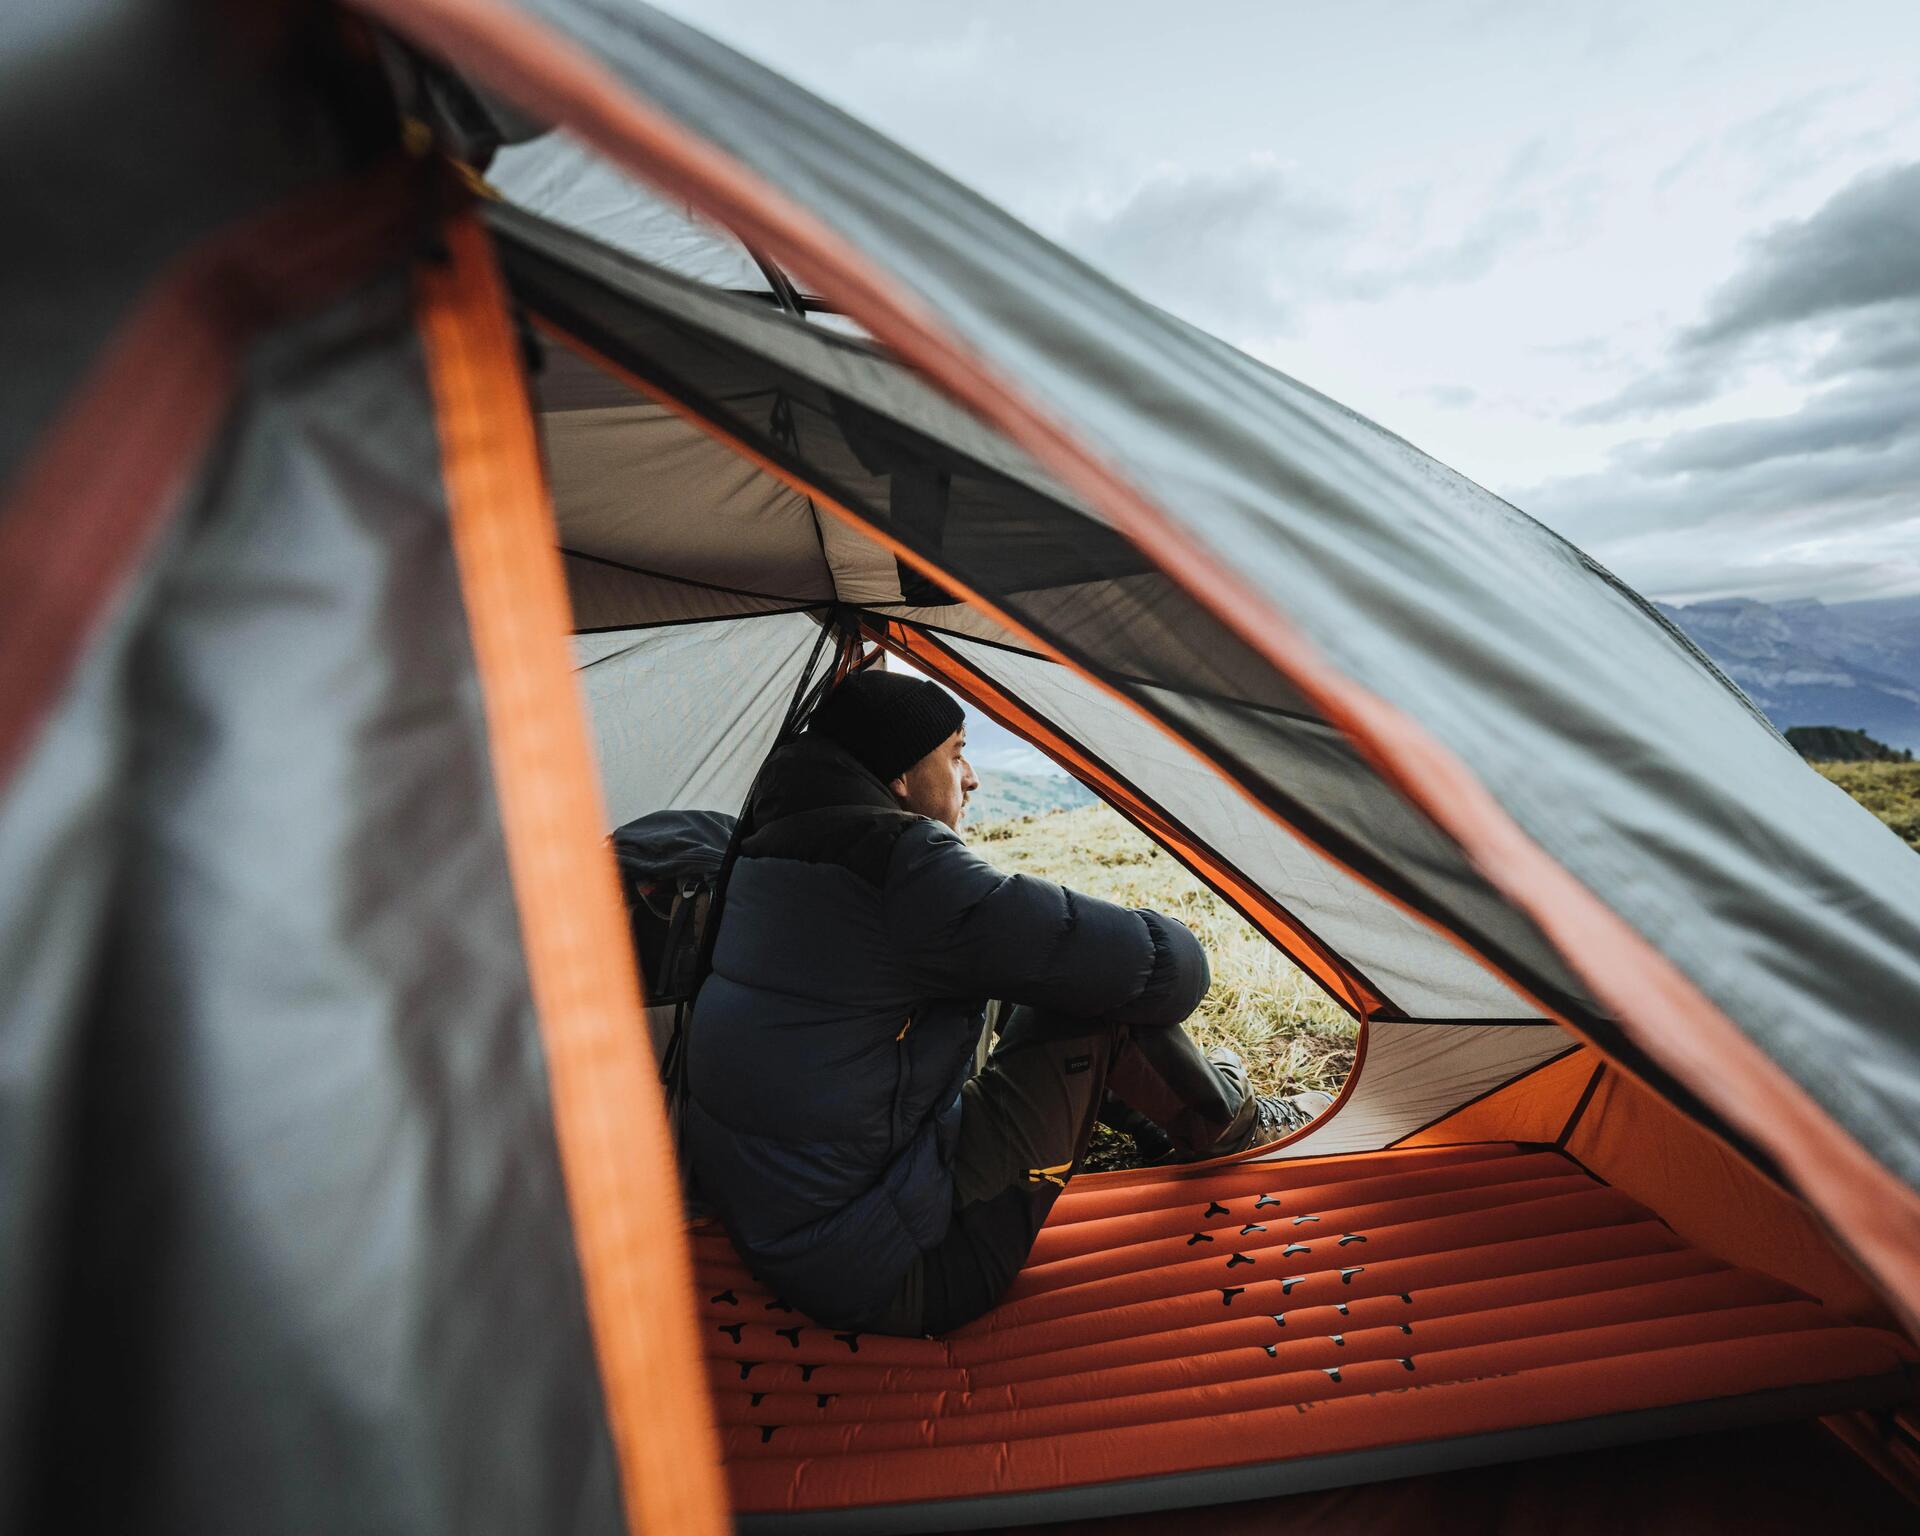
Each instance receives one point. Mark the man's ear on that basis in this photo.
(898, 788)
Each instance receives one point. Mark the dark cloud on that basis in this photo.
(1851, 419)
(1882, 340)
(1227, 249)
(1862, 248)
(1670, 389)
(1850, 270)
(1590, 352)
(1464, 260)
(1830, 563)
(1626, 501)
(1820, 500)
(1239, 250)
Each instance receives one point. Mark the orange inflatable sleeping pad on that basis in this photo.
(1294, 1324)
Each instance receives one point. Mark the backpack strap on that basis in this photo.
(843, 628)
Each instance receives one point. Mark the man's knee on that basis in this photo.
(1178, 981)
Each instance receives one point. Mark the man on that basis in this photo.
(833, 1120)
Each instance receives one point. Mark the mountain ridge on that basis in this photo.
(1805, 662)
(1006, 795)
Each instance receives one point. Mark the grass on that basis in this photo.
(1890, 790)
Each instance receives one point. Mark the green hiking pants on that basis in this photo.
(1025, 1120)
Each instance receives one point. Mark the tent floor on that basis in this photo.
(1250, 1330)
(1772, 1480)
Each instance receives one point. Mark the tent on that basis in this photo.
(389, 382)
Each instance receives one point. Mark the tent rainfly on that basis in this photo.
(437, 431)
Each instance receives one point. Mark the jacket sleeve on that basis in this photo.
(961, 928)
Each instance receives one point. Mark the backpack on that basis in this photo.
(670, 863)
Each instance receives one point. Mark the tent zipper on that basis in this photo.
(900, 1082)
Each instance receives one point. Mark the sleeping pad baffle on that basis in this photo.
(1283, 1325)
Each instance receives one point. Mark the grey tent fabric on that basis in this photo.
(886, 450)
(1603, 738)
(637, 485)
(314, 1268)
(605, 594)
(683, 715)
(1414, 1074)
(559, 178)
(57, 853)
(1422, 973)
(849, 368)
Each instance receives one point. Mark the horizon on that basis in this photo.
(1784, 602)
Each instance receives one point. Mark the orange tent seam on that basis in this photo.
(609, 1117)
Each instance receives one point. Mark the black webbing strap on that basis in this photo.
(843, 629)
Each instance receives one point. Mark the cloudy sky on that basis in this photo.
(1651, 270)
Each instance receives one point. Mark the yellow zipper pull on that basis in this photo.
(904, 1028)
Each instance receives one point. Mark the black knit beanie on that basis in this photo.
(887, 722)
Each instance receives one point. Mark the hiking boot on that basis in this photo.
(1262, 1117)
(1201, 1105)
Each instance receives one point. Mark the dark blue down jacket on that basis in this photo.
(857, 951)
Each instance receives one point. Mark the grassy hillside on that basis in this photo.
(1291, 1034)
(1836, 744)
(1890, 790)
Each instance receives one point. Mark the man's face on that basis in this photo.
(938, 785)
